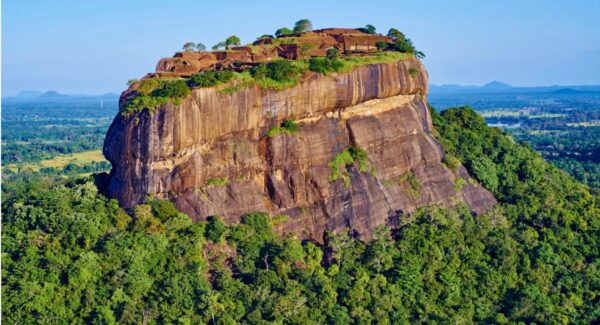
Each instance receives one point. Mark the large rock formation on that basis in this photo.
(179, 151)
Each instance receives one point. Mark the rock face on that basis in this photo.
(179, 152)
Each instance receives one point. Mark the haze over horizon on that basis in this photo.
(94, 48)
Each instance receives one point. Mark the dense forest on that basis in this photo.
(71, 256)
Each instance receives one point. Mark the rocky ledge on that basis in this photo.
(213, 154)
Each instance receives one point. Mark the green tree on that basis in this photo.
(215, 230)
(200, 47)
(485, 171)
(396, 34)
(368, 29)
(284, 31)
(219, 46)
(303, 25)
(189, 46)
(382, 45)
(407, 46)
(232, 41)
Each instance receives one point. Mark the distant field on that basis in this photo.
(505, 113)
(548, 115)
(585, 124)
(80, 158)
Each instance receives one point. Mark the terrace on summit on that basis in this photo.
(294, 46)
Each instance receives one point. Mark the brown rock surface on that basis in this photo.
(380, 108)
(299, 45)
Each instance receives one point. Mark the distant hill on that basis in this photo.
(52, 94)
(497, 87)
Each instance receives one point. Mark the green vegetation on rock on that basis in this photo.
(287, 126)
(408, 182)
(340, 163)
(154, 92)
(413, 72)
(451, 162)
(277, 75)
(210, 78)
(459, 182)
(217, 181)
(325, 65)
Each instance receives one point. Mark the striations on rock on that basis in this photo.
(177, 151)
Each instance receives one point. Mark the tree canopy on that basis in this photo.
(200, 46)
(219, 46)
(232, 41)
(283, 31)
(303, 25)
(368, 29)
(396, 34)
(189, 46)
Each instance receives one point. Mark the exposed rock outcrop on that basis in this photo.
(179, 151)
(295, 46)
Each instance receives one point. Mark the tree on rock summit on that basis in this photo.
(303, 25)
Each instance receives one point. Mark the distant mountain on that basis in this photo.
(29, 94)
(52, 94)
(571, 91)
(496, 85)
(501, 87)
(109, 95)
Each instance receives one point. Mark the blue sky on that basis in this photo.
(94, 47)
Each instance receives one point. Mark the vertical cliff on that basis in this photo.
(211, 154)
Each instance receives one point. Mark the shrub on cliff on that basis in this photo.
(210, 78)
(382, 45)
(339, 165)
(287, 126)
(325, 65)
(277, 74)
(147, 86)
(333, 53)
(155, 92)
(176, 89)
(406, 46)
